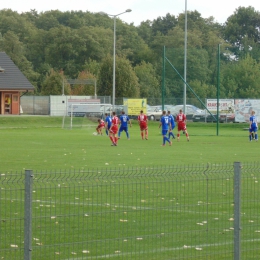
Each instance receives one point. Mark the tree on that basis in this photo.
(126, 80)
(242, 29)
(148, 83)
(202, 90)
(164, 24)
(52, 84)
(244, 22)
(92, 66)
(145, 31)
(84, 90)
(47, 20)
(15, 50)
(242, 78)
(13, 22)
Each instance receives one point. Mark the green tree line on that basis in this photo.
(50, 47)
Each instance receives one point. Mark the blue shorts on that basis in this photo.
(253, 129)
(123, 128)
(164, 132)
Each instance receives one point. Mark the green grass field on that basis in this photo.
(39, 143)
(125, 215)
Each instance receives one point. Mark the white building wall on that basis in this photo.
(59, 104)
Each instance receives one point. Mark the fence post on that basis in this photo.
(28, 214)
(237, 209)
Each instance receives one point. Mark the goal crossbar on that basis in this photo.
(80, 82)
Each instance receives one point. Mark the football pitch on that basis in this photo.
(119, 215)
(39, 143)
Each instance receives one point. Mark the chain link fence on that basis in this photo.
(179, 212)
(40, 105)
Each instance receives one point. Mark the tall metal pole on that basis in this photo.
(163, 79)
(218, 88)
(114, 54)
(185, 60)
(114, 66)
(95, 88)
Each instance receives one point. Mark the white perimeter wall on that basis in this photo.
(58, 104)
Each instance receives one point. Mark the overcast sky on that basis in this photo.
(142, 10)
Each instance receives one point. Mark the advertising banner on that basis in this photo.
(225, 105)
(244, 107)
(134, 106)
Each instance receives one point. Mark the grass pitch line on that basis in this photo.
(185, 247)
(120, 206)
(131, 207)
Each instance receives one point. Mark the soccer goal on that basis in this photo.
(84, 115)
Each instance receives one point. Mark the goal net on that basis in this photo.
(84, 115)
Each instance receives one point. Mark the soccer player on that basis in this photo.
(172, 125)
(253, 126)
(124, 120)
(165, 123)
(143, 121)
(100, 127)
(181, 120)
(114, 129)
(108, 121)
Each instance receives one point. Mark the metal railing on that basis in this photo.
(178, 212)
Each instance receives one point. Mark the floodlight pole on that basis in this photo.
(114, 54)
(95, 88)
(185, 60)
(114, 66)
(218, 84)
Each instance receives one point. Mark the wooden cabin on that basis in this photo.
(12, 85)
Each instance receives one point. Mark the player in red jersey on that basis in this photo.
(181, 120)
(100, 127)
(143, 121)
(114, 129)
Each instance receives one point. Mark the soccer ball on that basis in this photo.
(95, 133)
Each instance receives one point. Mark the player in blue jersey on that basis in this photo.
(253, 126)
(108, 122)
(165, 124)
(124, 121)
(172, 125)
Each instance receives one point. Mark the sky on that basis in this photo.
(142, 10)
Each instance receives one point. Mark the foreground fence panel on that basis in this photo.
(11, 216)
(185, 212)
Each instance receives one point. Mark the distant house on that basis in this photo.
(12, 84)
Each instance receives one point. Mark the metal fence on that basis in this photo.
(42, 105)
(35, 105)
(179, 212)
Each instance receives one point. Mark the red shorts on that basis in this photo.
(181, 126)
(113, 129)
(143, 126)
(101, 126)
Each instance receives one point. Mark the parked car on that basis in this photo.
(154, 113)
(227, 118)
(204, 117)
(107, 108)
(190, 111)
(223, 118)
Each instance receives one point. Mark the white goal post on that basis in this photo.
(79, 115)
